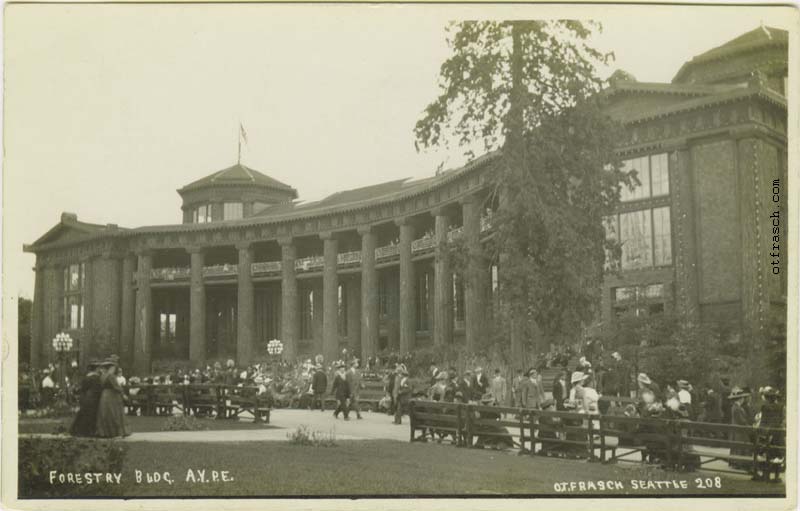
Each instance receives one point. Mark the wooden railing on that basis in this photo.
(674, 444)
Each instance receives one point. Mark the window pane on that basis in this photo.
(635, 236)
(172, 319)
(74, 277)
(610, 224)
(642, 168)
(232, 211)
(623, 294)
(661, 236)
(654, 291)
(659, 165)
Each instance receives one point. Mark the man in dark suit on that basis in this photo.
(341, 391)
(465, 391)
(319, 385)
(560, 392)
(480, 383)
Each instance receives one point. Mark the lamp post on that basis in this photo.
(275, 348)
(62, 344)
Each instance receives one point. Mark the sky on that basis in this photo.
(111, 108)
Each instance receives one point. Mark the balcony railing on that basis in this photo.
(309, 263)
(423, 244)
(349, 258)
(265, 267)
(386, 252)
(221, 270)
(312, 263)
(170, 273)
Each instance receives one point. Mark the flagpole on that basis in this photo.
(239, 157)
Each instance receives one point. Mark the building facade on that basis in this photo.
(367, 269)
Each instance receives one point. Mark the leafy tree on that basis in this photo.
(530, 90)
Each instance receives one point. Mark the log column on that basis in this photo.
(443, 283)
(369, 293)
(290, 325)
(144, 316)
(37, 318)
(408, 320)
(197, 307)
(330, 297)
(128, 311)
(476, 275)
(245, 327)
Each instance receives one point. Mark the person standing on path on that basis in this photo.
(403, 394)
(110, 419)
(342, 393)
(354, 381)
(319, 385)
(85, 423)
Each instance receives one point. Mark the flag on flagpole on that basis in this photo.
(242, 133)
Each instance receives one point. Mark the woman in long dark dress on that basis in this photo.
(85, 423)
(110, 417)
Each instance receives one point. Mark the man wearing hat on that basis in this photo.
(480, 382)
(645, 383)
(89, 391)
(403, 394)
(341, 390)
(354, 381)
(319, 385)
(497, 388)
(739, 418)
(532, 392)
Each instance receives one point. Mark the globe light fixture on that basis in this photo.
(62, 342)
(274, 347)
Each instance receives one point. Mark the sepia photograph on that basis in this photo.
(302, 253)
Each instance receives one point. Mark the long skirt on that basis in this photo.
(85, 423)
(110, 419)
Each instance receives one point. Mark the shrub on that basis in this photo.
(183, 423)
(304, 435)
(39, 456)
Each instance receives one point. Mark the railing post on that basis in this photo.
(602, 440)
(532, 416)
(469, 425)
(754, 470)
(590, 432)
(521, 431)
(411, 420)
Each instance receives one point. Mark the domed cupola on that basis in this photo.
(230, 194)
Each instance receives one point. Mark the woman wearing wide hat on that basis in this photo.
(85, 423)
(110, 419)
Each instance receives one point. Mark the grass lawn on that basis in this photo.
(385, 467)
(136, 424)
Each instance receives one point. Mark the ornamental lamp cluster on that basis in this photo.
(62, 342)
(275, 347)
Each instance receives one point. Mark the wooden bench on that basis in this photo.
(236, 400)
(484, 422)
(436, 418)
(201, 400)
(701, 444)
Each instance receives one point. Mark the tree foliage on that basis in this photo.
(531, 90)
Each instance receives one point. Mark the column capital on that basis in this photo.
(195, 249)
(144, 252)
(403, 220)
(327, 235)
(468, 199)
(439, 211)
(365, 229)
(243, 245)
(285, 241)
